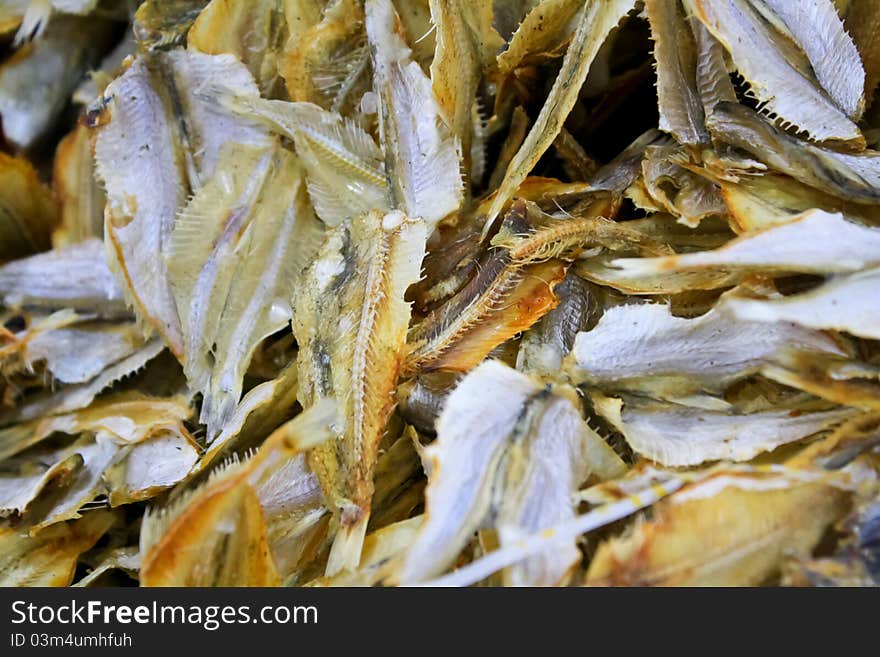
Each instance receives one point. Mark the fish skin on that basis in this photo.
(676, 436)
(819, 31)
(844, 303)
(705, 353)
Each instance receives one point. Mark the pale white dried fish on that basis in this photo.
(676, 435)
(845, 303)
(422, 156)
(77, 396)
(819, 31)
(851, 176)
(344, 166)
(78, 353)
(72, 277)
(18, 490)
(512, 468)
(232, 263)
(773, 79)
(35, 82)
(160, 135)
(706, 352)
(812, 242)
(160, 460)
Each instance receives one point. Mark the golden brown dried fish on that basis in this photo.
(255, 32)
(50, 558)
(350, 322)
(328, 62)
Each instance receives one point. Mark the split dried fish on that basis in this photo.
(439, 292)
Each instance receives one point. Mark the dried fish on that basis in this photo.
(50, 558)
(705, 353)
(518, 465)
(846, 303)
(681, 109)
(242, 515)
(676, 435)
(422, 155)
(351, 324)
(296, 292)
(74, 277)
(27, 210)
(597, 20)
(785, 89)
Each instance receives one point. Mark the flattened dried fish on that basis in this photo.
(50, 558)
(846, 303)
(466, 42)
(234, 516)
(681, 109)
(780, 85)
(350, 322)
(74, 277)
(327, 59)
(80, 198)
(172, 96)
(733, 532)
(515, 467)
(855, 177)
(344, 165)
(813, 242)
(819, 31)
(422, 156)
(254, 31)
(232, 259)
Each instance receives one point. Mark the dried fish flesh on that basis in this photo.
(439, 292)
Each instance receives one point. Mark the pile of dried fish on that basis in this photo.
(444, 292)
